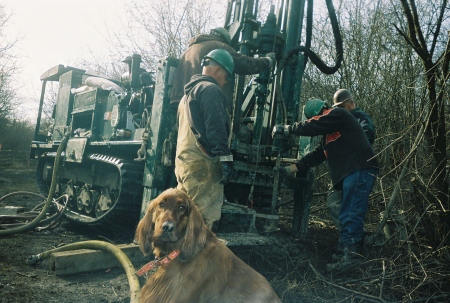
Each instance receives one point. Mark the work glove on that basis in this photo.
(272, 58)
(279, 129)
(285, 171)
(302, 169)
(227, 171)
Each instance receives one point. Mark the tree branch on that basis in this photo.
(417, 28)
(446, 61)
(438, 26)
(407, 39)
(423, 53)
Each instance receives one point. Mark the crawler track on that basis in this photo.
(102, 188)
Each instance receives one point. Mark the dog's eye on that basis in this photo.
(162, 205)
(182, 208)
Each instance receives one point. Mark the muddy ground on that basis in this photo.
(295, 268)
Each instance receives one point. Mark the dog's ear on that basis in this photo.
(144, 230)
(196, 231)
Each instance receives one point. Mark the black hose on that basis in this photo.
(312, 55)
(309, 21)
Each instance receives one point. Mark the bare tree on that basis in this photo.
(8, 70)
(423, 33)
(10, 140)
(8, 67)
(173, 23)
(155, 29)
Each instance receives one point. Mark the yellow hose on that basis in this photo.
(135, 288)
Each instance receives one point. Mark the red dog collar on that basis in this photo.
(154, 263)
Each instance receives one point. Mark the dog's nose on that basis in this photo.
(167, 227)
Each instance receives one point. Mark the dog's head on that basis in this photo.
(172, 221)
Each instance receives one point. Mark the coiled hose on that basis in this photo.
(135, 288)
(51, 193)
(53, 221)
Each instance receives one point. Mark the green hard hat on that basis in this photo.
(221, 33)
(222, 57)
(313, 107)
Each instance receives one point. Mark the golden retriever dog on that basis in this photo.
(197, 266)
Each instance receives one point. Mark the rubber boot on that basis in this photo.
(339, 252)
(351, 257)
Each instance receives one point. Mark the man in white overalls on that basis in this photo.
(203, 160)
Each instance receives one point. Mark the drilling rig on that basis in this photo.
(121, 146)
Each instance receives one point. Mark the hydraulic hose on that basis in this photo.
(51, 193)
(309, 22)
(22, 193)
(53, 220)
(312, 55)
(135, 288)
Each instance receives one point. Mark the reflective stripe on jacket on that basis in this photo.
(344, 144)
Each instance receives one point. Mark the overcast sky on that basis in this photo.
(56, 32)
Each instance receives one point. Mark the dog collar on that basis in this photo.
(157, 262)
